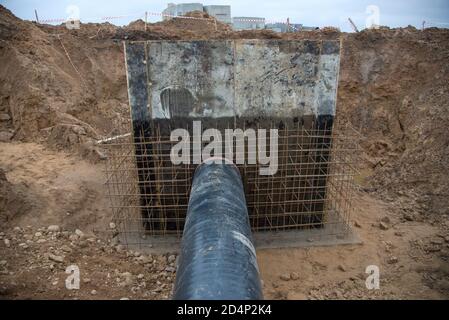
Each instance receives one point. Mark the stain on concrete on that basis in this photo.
(177, 102)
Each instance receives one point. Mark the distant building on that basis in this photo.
(277, 27)
(296, 27)
(303, 28)
(248, 23)
(283, 27)
(180, 9)
(221, 13)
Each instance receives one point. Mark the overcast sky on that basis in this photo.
(392, 13)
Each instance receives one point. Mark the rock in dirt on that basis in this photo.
(170, 269)
(4, 117)
(5, 136)
(392, 260)
(384, 226)
(79, 233)
(128, 278)
(285, 277)
(53, 228)
(385, 219)
(66, 248)
(294, 276)
(341, 268)
(56, 258)
(171, 258)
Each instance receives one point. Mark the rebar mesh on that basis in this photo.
(311, 189)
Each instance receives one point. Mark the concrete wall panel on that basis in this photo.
(243, 78)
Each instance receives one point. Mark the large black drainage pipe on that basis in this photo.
(217, 259)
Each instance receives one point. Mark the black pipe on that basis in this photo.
(218, 259)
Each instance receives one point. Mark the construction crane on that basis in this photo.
(353, 25)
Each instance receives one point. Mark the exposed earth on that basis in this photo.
(61, 90)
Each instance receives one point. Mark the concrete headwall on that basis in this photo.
(269, 84)
(241, 78)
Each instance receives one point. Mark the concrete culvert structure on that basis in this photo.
(271, 104)
(218, 259)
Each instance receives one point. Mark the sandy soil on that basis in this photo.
(409, 267)
(48, 188)
(67, 191)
